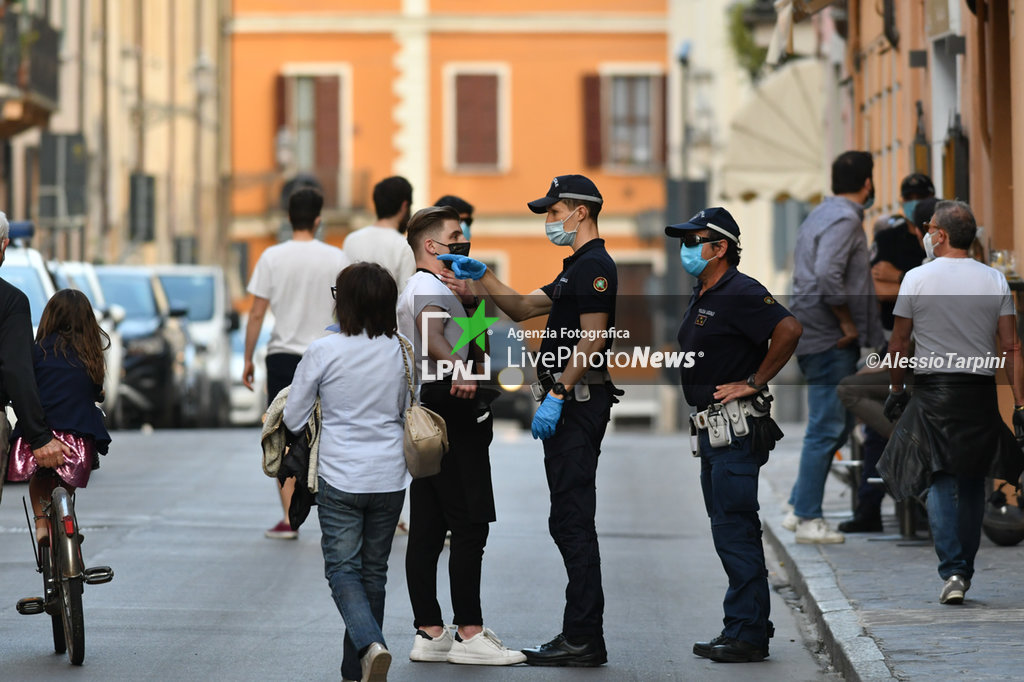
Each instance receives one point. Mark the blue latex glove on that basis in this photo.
(546, 420)
(464, 267)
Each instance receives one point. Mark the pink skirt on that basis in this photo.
(74, 471)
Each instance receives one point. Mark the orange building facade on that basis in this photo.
(487, 101)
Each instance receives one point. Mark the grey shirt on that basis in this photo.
(832, 268)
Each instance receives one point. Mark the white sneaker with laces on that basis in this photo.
(427, 649)
(791, 521)
(817, 532)
(484, 648)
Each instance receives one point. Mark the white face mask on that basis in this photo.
(929, 248)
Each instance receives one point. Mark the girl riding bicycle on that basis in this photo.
(69, 369)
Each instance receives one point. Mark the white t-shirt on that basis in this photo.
(955, 305)
(363, 398)
(384, 246)
(425, 289)
(296, 277)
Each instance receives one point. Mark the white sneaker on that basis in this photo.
(791, 520)
(484, 649)
(817, 532)
(375, 663)
(427, 649)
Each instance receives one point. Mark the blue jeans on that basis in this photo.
(357, 533)
(728, 479)
(828, 425)
(956, 506)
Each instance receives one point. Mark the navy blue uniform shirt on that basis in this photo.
(900, 248)
(587, 284)
(727, 328)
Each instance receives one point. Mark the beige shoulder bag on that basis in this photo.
(426, 436)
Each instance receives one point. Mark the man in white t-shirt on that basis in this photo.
(460, 498)
(294, 280)
(383, 242)
(951, 437)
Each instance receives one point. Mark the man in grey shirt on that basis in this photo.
(834, 300)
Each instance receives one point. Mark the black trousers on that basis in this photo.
(459, 499)
(280, 372)
(570, 461)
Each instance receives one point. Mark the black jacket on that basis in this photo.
(17, 377)
(951, 424)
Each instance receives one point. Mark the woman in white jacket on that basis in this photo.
(359, 374)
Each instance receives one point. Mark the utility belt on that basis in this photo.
(727, 421)
(580, 392)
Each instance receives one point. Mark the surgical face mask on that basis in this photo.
(457, 248)
(693, 262)
(929, 248)
(556, 232)
(870, 201)
(908, 209)
(465, 229)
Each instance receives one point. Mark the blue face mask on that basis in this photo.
(556, 232)
(465, 230)
(908, 209)
(693, 262)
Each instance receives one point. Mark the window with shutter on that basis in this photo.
(307, 120)
(624, 120)
(476, 120)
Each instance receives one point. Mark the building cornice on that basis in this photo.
(560, 23)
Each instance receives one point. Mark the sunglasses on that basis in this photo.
(691, 240)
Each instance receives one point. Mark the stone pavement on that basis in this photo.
(875, 598)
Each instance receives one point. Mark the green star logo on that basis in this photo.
(473, 328)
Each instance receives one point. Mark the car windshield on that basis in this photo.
(194, 292)
(130, 291)
(76, 281)
(27, 279)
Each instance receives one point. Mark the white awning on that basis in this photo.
(776, 145)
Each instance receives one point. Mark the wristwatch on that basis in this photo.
(559, 389)
(892, 389)
(752, 382)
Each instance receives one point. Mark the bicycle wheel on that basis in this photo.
(53, 607)
(70, 590)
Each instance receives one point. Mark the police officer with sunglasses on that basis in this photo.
(740, 337)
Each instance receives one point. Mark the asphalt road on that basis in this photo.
(199, 594)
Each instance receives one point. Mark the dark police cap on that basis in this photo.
(577, 187)
(716, 219)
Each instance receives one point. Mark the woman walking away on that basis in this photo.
(68, 362)
(359, 375)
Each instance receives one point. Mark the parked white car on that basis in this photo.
(247, 407)
(82, 276)
(203, 292)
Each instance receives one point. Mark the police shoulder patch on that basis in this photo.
(769, 300)
(601, 284)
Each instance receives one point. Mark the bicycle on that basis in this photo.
(64, 575)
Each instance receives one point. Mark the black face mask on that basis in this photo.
(457, 248)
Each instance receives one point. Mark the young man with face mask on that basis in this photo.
(576, 407)
(741, 337)
(460, 498)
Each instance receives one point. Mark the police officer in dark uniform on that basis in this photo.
(577, 399)
(741, 337)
